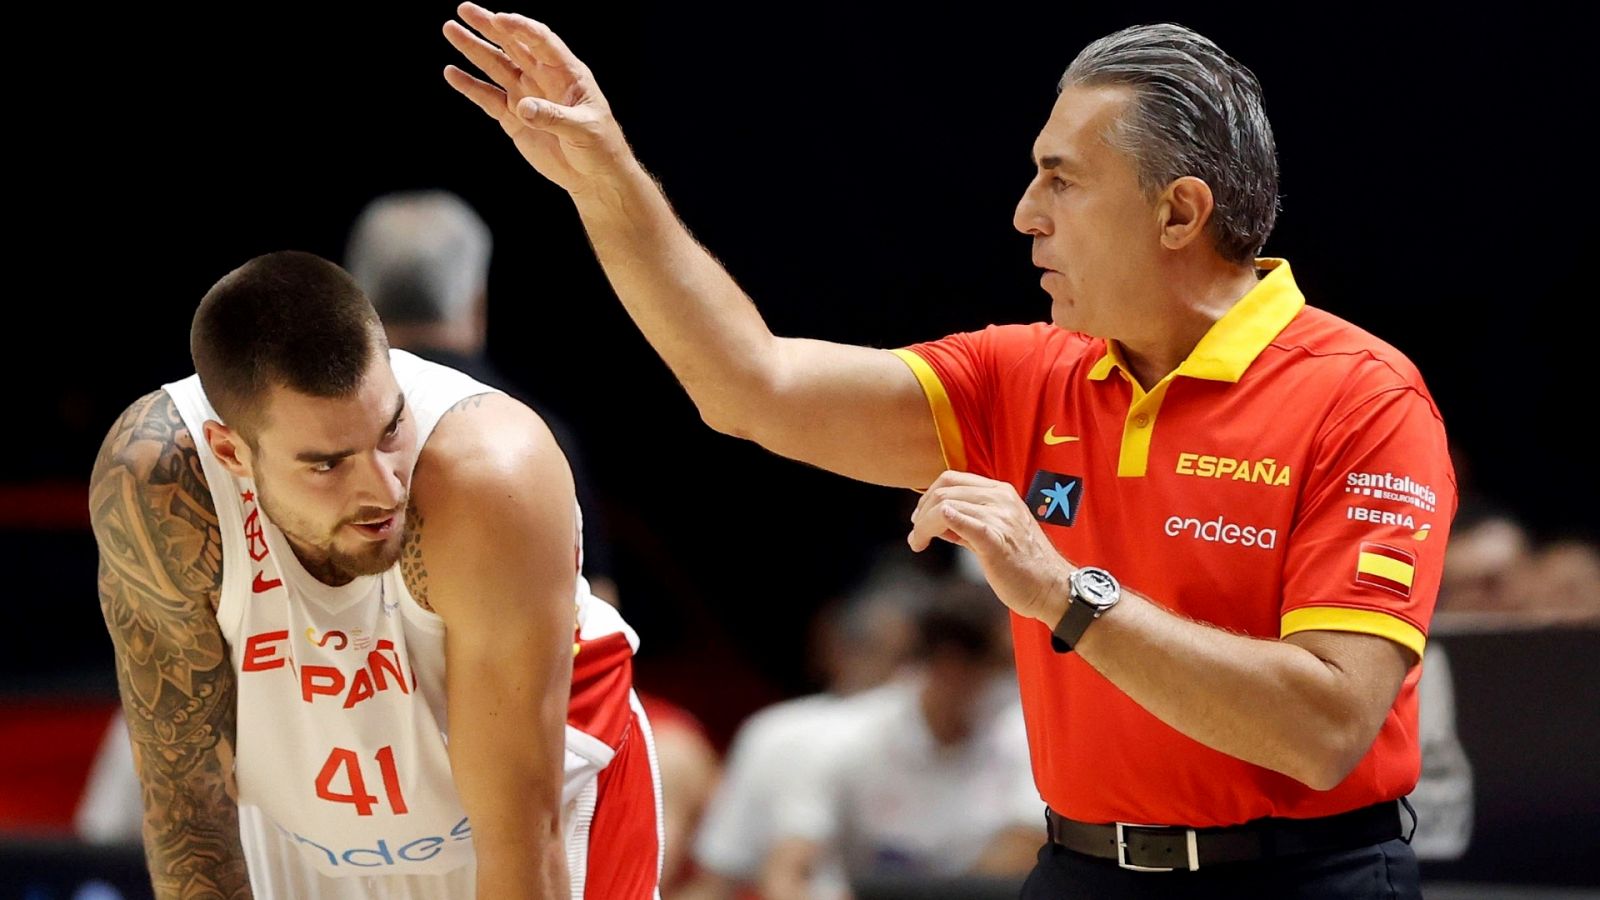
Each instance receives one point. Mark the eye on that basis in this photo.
(1059, 184)
(323, 468)
(395, 428)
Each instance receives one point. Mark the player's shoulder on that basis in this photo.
(483, 445)
(150, 445)
(149, 504)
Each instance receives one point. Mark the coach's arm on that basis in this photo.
(853, 410)
(160, 574)
(494, 532)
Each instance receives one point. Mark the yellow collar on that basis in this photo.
(1236, 339)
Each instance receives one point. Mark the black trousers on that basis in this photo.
(1386, 871)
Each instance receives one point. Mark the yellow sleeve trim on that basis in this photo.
(944, 415)
(1362, 621)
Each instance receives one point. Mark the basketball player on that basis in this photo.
(356, 651)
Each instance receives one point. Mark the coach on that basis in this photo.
(1217, 513)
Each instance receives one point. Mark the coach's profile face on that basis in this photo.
(1099, 237)
(332, 473)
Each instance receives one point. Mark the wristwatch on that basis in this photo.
(1093, 593)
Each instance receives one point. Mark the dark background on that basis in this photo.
(855, 170)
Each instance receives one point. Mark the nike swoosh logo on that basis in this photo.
(261, 585)
(1051, 440)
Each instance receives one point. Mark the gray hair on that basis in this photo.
(421, 256)
(1195, 111)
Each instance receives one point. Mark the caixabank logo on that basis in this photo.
(1054, 498)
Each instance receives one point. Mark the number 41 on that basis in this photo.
(358, 786)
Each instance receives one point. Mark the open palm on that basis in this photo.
(542, 95)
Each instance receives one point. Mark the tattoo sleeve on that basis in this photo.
(160, 575)
(412, 568)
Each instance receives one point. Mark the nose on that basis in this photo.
(1030, 217)
(385, 480)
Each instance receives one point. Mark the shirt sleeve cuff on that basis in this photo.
(1363, 621)
(944, 415)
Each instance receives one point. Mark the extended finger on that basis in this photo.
(544, 44)
(489, 98)
(967, 486)
(986, 494)
(969, 525)
(934, 522)
(491, 60)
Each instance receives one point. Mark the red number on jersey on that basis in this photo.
(358, 796)
(391, 780)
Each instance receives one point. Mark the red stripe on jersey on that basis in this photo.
(1387, 584)
(1389, 552)
(623, 852)
(602, 673)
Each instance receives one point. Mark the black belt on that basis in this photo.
(1165, 848)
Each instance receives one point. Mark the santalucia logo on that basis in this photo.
(1389, 486)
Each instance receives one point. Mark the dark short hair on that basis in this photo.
(1195, 111)
(288, 319)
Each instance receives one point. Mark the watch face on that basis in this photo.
(1096, 586)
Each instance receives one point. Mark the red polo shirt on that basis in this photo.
(1292, 474)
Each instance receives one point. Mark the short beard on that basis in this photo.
(326, 562)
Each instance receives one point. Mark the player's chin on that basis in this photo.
(370, 557)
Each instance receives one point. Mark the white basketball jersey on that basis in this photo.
(342, 723)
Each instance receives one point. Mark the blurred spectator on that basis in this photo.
(861, 641)
(931, 780)
(1492, 568)
(1479, 566)
(859, 644)
(1564, 582)
(1443, 796)
(422, 257)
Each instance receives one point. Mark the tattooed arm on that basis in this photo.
(160, 574)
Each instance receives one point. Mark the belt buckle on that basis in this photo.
(1122, 849)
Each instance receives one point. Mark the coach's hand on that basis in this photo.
(546, 100)
(988, 518)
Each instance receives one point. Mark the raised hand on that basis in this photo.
(542, 95)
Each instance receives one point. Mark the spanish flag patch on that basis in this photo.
(1383, 566)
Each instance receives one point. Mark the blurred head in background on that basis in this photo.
(1480, 564)
(423, 259)
(960, 655)
(1564, 581)
(864, 640)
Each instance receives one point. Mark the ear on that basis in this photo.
(1183, 211)
(229, 447)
